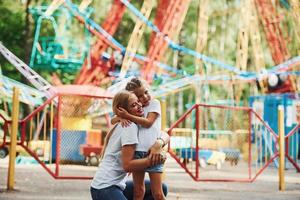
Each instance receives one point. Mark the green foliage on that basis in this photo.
(11, 34)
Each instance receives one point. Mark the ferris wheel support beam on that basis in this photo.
(34, 78)
(162, 8)
(242, 43)
(171, 27)
(276, 42)
(256, 42)
(84, 4)
(158, 42)
(270, 21)
(202, 31)
(135, 38)
(296, 15)
(110, 25)
(243, 36)
(174, 35)
(53, 6)
(28, 94)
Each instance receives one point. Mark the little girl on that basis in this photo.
(149, 132)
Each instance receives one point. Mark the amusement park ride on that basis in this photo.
(106, 61)
(57, 51)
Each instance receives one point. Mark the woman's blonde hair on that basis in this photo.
(121, 99)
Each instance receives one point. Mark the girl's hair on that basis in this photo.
(121, 99)
(133, 84)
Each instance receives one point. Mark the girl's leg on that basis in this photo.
(138, 185)
(148, 193)
(156, 186)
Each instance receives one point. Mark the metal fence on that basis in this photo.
(223, 143)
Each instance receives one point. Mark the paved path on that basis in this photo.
(33, 182)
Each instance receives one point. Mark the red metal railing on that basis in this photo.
(239, 133)
(292, 146)
(37, 129)
(251, 144)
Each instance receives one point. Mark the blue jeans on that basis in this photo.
(115, 193)
(110, 193)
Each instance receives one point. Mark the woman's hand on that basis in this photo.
(156, 153)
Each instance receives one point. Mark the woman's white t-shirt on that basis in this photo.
(110, 171)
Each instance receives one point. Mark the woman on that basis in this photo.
(110, 179)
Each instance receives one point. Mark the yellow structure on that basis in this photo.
(13, 140)
(281, 148)
(76, 123)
